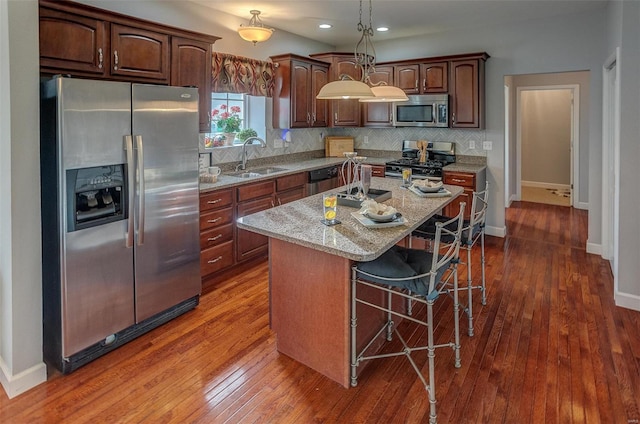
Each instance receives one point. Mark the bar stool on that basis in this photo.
(403, 274)
(472, 231)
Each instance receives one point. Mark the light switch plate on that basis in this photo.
(487, 145)
(472, 144)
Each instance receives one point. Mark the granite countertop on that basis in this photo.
(299, 222)
(226, 180)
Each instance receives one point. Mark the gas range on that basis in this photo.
(439, 154)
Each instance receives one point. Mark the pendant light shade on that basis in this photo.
(386, 93)
(255, 31)
(365, 61)
(345, 89)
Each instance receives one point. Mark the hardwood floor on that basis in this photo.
(549, 347)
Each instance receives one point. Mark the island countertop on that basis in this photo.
(299, 222)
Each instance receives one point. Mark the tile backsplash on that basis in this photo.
(312, 139)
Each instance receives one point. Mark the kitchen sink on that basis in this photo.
(256, 172)
(268, 170)
(244, 174)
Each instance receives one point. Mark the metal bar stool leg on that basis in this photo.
(469, 291)
(484, 287)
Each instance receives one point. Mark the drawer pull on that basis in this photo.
(456, 180)
(213, 221)
(213, 202)
(214, 238)
(213, 261)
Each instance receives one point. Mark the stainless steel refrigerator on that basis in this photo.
(120, 217)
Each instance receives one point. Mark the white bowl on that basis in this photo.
(427, 186)
(382, 217)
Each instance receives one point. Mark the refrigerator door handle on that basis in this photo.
(140, 163)
(128, 147)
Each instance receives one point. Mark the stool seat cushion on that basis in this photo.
(428, 229)
(400, 262)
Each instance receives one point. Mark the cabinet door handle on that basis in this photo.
(213, 221)
(313, 117)
(335, 118)
(308, 118)
(115, 60)
(213, 202)
(424, 84)
(214, 238)
(453, 118)
(100, 58)
(273, 205)
(213, 261)
(416, 84)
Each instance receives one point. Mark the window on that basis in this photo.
(233, 112)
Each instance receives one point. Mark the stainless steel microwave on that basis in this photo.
(423, 110)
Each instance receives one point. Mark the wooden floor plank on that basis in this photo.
(550, 346)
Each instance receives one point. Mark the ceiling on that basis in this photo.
(405, 18)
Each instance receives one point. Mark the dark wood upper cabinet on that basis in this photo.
(191, 66)
(422, 78)
(342, 113)
(85, 41)
(379, 114)
(297, 82)
(407, 78)
(139, 53)
(73, 42)
(434, 77)
(466, 104)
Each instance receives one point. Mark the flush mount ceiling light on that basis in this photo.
(255, 31)
(365, 59)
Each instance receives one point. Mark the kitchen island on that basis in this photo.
(310, 270)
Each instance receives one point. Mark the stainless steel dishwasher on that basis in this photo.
(322, 179)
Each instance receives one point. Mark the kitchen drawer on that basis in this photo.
(215, 199)
(216, 236)
(290, 195)
(377, 170)
(291, 181)
(461, 179)
(216, 218)
(255, 190)
(216, 258)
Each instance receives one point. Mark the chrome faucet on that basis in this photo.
(243, 165)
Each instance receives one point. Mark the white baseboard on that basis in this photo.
(594, 248)
(495, 231)
(626, 300)
(545, 185)
(15, 385)
(582, 205)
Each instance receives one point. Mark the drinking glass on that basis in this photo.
(406, 177)
(329, 209)
(365, 180)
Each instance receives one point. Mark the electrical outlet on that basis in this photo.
(472, 144)
(278, 143)
(487, 145)
(366, 139)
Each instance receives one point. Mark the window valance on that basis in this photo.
(236, 74)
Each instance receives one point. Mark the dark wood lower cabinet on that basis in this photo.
(250, 244)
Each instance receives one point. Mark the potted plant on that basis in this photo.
(246, 133)
(227, 121)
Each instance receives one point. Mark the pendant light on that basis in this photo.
(365, 58)
(255, 31)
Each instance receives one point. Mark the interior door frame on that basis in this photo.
(611, 161)
(574, 143)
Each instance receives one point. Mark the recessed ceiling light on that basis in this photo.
(325, 26)
(382, 29)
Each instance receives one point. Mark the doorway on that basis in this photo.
(611, 161)
(546, 120)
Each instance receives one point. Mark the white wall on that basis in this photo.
(21, 365)
(624, 32)
(546, 136)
